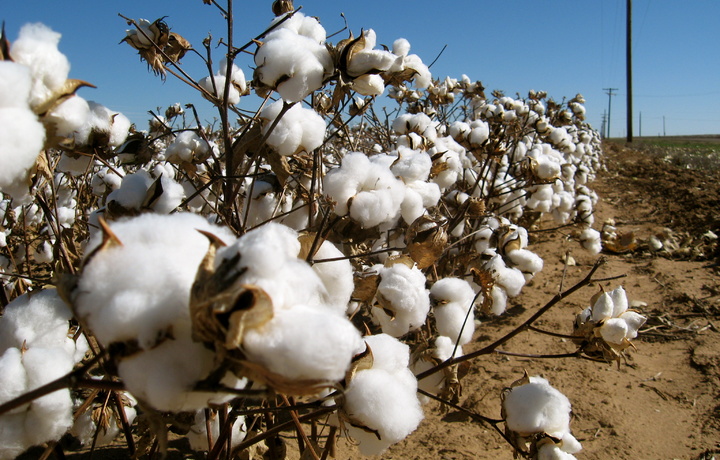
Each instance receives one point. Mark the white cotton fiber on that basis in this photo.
(452, 320)
(165, 375)
(188, 147)
(603, 308)
(69, 117)
(553, 452)
(403, 291)
(614, 330)
(299, 129)
(39, 320)
(103, 120)
(537, 407)
(591, 240)
(303, 343)
(137, 290)
(21, 139)
(619, 300)
(198, 438)
(15, 90)
(388, 353)
(37, 48)
(375, 191)
(381, 401)
(293, 63)
(336, 276)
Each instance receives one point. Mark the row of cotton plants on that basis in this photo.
(309, 254)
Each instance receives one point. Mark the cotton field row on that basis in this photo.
(309, 250)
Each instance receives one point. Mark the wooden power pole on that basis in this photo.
(629, 73)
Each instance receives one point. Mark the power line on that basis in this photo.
(610, 92)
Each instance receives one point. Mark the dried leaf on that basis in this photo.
(426, 241)
(366, 285)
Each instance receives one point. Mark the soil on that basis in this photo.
(663, 400)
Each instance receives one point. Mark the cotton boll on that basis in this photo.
(21, 139)
(17, 82)
(137, 290)
(39, 320)
(388, 352)
(237, 77)
(303, 343)
(603, 308)
(590, 239)
(188, 146)
(553, 452)
(377, 399)
(336, 276)
(13, 378)
(112, 124)
(37, 48)
(215, 85)
(368, 85)
(499, 300)
(401, 47)
(452, 320)
(166, 375)
(537, 407)
(619, 300)
(634, 322)
(293, 64)
(526, 261)
(299, 129)
(614, 330)
(69, 117)
(198, 438)
(133, 190)
(402, 289)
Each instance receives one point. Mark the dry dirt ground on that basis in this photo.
(663, 402)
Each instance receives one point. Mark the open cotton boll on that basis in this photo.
(215, 85)
(137, 290)
(298, 130)
(166, 375)
(304, 343)
(69, 117)
(553, 452)
(614, 330)
(21, 139)
(453, 290)
(619, 300)
(452, 320)
(526, 261)
(591, 240)
(237, 76)
(336, 276)
(198, 438)
(39, 320)
(188, 147)
(294, 65)
(37, 48)
(537, 407)
(15, 90)
(603, 308)
(379, 400)
(375, 191)
(388, 353)
(112, 124)
(402, 290)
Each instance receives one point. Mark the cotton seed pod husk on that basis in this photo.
(620, 243)
(366, 285)
(219, 310)
(426, 241)
(279, 383)
(360, 362)
(485, 280)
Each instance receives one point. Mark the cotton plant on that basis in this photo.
(37, 346)
(608, 326)
(537, 415)
(100, 424)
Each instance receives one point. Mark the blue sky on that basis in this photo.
(559, 46)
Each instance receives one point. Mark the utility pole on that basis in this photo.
(610, 92)
(640, 127)
(604, 123)
(629, 73)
